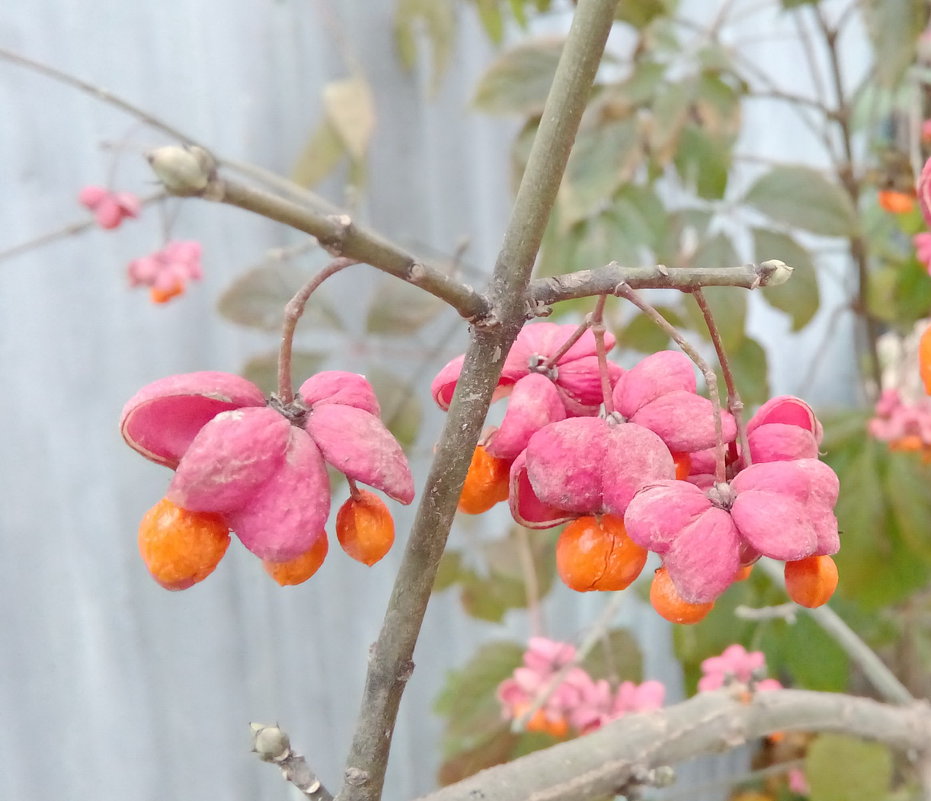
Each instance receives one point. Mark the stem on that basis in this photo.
(883, 679)
(63, 233)
(734, 404)
(293, 311)
(564, 348)
(390, 662)
(711, 379)
(531, 582)
(598, 329)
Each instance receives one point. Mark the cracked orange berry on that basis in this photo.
(595, 553)
(669, 604)
(811, 582)
(300, 568)
(924, 358)
(895, 202)
(364, 527)
(180, 547)
(486, 483)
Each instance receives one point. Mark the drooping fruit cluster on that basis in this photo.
(551, 694)
(645, 476)
(260, 468)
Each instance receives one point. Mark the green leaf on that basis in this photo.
(841, 768)
(616, 657)
(519, 80)
(450, 570)
(437, 20)
(509, 557)
(490, 598)
(641, 13)
(322, 154)
(350, 109)
(643, 335)
(489, 12)
(750, 366)
(401, 409)
(804, 198)
(812, 658)
(495, 748)
(262, 370)
(671, 106)
(605, 157)
(703, 162)
(894, 27)
(799, 297)
(787, 4)
(257, 299)
(400, 309)
(467, 700)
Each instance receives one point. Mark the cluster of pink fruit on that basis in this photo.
(259, 466)
(166, 271)
(642, 476)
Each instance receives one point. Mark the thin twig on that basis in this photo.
(883, 679)
(711, 380)
(734, 404)
(596, 319)
(293, 311)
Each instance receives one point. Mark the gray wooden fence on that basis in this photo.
(111, 688)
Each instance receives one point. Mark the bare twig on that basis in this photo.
(273, 745)
(292, 314)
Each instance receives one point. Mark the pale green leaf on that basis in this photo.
(799, 297)
(262, 370)
(643, 335)
(401, 410)
(615, 657)
(519, 80)
(322, 154)
(641, 13)
(703, 161)
(350, 108)
(257, 299)
(437, 20)
(842, 768)
(489, 12)
(894, 27)
(802, 197)
(400, 309)
(749, 364)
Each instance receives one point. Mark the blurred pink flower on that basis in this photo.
(167, 271)
(922, 243)
(736, 664)
(110, 208)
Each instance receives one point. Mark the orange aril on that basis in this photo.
(683, 463)
(924, 358)
(895, 202)
(595, 553)
(157, 295)
(743, 572)
(669, 604)
(810, 582)
(180, 547)
(540, 721)
(300, 568)
(486, 483)
(364, 527)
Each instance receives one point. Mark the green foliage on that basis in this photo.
(401, 409)
(518, 81)
(799, 298)
(257, 298)
(437, 20)
(262, 370)
(894, 27)
(616, 658)
(399, 308)
(840, 768)
(884, 513)
(750, 366)
(642, 13)
(804, 198)
(492, 579)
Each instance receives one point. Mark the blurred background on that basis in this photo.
(111, 687)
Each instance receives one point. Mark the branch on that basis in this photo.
(273, 745)
(543, 292)
(191, 172)
(390, 661)
(596, 765)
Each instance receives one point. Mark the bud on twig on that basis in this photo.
(185, 171)
(270, 743)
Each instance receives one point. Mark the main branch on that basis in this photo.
(390, 662)
(597, 764)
